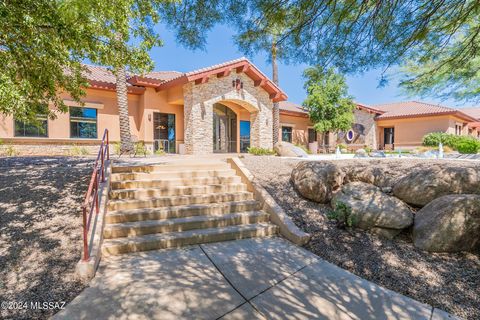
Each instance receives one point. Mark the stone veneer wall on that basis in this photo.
(198, 111)
(368, 121)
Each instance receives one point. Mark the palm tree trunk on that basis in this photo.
(276, 107)
(122, 100)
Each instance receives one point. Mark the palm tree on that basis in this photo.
(122, 100)
(276, 107)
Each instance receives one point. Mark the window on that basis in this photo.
(312, 135)
(287, 134)
(244, 135)
(24, 129)
(83, 123)
(458, 129)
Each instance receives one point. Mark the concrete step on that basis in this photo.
(173, 182)
(168, 166)
(189, 237)
(181, 211)
(178, 200)
(173, 174)
(132, 229)
(143, 194)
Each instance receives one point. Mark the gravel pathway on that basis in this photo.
(40, 231)
(447, 281)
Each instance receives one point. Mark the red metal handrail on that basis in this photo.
(91, 198)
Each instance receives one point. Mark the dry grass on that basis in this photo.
(40, 231)
(447, 281)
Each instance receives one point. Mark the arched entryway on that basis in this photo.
(224, 129)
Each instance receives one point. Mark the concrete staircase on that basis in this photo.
(176, 204)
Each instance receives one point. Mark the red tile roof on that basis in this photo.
(100, 74)
(472, 112)
(103, 78)
(292, 107)
(241, 65)
(289, 106)
(412, 109)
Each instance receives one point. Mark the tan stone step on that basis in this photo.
(190, 237)
(143, 194)
(173, 182)
(181, 211)
(173, 174)
(171, 167)
(132, 229)
(178, 200)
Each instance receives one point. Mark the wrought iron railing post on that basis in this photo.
(102, 166)
(85, 235)
(92, 200)
(108, 147)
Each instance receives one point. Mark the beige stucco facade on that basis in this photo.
(223, 108)
(408, 133)
(190, 103)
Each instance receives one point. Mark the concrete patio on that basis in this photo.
(266, 278)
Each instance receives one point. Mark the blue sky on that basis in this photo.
(220, 48)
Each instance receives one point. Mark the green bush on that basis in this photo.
(342, 214)
(260, 151)
(447, 139)
(468, 146)
(463, 144)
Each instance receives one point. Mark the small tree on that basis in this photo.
(329, 106)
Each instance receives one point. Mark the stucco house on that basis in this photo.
(386, 126)
(222, 108)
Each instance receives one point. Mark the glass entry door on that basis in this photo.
(164, 132)
(224, 129)
(244, 136)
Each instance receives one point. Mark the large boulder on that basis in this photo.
(285, 149)
(448, 224)
(374, 210)
(381, 177)
(422, 186)
(317, 180)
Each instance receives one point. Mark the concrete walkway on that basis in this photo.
(266, 278)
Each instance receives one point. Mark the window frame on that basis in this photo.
(41, 117)
(291, 132)
(85, 120)
(315, 134)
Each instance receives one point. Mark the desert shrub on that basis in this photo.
(78, 151)
(10, 151)
(261, 151)
(140, 148)
(468, 146)
(433, 139)
(464, 144)
(342, 214)
(117, 148)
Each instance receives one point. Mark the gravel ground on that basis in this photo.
(447, 281)
(40, 231)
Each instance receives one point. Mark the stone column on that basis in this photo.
(198, 120)
(261, 128)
